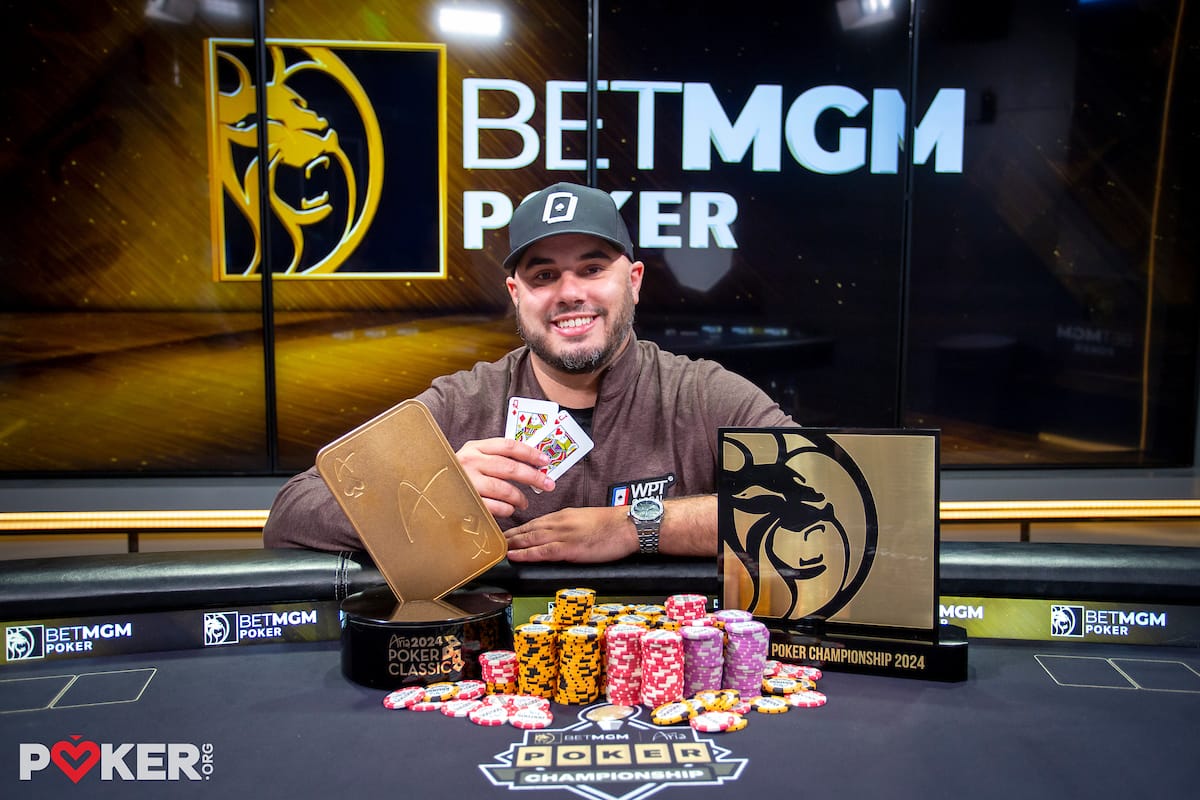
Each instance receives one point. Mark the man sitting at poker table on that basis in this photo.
(653, 416)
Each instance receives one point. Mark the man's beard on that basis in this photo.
(578, 362)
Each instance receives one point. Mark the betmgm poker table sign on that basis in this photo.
(830, 537)
(428, 532)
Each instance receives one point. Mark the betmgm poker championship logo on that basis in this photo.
(355, 159)
(611, 753)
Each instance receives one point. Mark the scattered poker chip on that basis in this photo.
(518, 701)
(742, 707)
(404, 698)
(805, 698)
(530, 718)
(780, 685)
(674, 713)
(459, 708)
(770, 705)
(799, 671)
(426, 705)
(718, 722)
(489, 716)
(443, 691)
(470, 690)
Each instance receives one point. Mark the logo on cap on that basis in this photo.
(560, 207)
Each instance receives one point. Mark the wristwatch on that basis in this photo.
(647, 516)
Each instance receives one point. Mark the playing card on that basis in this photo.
(564, 442)
(527, 417)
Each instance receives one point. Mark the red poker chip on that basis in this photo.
(404, 698)
(459, 708)
(517, 702)
(800, 671)
(717, 722)
(531, 718)
(805, 698)
(470, 690)
(427, 705)
(489, 716)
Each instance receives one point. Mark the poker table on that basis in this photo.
(279, 719)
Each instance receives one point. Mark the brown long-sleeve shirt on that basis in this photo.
(654, 427)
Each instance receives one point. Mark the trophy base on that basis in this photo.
(942, 656)
(389, 643)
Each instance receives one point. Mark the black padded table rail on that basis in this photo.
(162, 581)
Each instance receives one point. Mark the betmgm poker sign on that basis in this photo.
(830, 538)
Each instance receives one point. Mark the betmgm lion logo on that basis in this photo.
(1066, 621)
(799, 517)
(220, 627)
(24, 642)
(333, 165)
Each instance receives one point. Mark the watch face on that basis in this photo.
(648, 508)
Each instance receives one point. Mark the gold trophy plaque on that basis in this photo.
(830, 537)
(429, 533)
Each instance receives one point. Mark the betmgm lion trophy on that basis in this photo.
(830, 537)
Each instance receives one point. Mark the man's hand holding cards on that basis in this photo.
(553, 432)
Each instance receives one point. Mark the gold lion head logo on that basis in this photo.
(304, 159)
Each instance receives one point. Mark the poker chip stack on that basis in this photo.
(623, 663)
(728, 615)
(623, 650)
(655, 614)
(498, 669)
(536, 647)
(662, 668)
(686, 607)
(610, 610)
(633, 619)
(572, 607)
(580, 666)
(746, 645)
(703, 658)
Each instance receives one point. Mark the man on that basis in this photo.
(653, 415)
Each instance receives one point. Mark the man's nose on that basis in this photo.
(572, 288)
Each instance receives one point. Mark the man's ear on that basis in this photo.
(511, 283)
(637, 271)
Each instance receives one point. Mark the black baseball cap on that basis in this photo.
(565, 208)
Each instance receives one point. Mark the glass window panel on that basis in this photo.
(121, 354)
(1053, 305)
(349, 346)
(766, 194)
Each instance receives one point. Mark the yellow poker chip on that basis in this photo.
(440, 692)
(770, 705)
(674, 713)
(779, 685)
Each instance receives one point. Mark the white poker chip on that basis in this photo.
(805, 698)
(404, 698)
